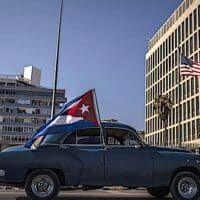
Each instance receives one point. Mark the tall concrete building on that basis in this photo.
(24, 105)
(181, 32)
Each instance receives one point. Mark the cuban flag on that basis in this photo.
(79, 113)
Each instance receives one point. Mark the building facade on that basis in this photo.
(24, 107)
(179, 34)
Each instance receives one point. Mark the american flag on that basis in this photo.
(189, 67)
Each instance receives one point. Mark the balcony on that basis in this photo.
(15, 114)
(32, 97)
(35, 125)
(13, 133)
(17, 105)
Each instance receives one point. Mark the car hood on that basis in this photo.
(167, 149)
(16, 148)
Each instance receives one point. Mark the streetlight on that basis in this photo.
(56, 63)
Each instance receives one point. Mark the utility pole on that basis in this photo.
(56, 63)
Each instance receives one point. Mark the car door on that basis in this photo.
(127, 162)
(82, 157)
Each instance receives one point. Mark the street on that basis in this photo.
(86, 195)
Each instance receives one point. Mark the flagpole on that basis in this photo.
(179, 98)
(98, 114)
(56, 63)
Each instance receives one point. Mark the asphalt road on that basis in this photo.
(87, 195)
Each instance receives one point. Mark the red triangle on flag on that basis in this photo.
(84, 108)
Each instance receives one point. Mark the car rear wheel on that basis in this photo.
(42, 185)
(185, 186)
(158, 192)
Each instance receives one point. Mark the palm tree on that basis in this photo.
(163, 105)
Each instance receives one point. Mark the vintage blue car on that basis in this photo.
(86, 157)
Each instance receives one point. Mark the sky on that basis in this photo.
(103, 46)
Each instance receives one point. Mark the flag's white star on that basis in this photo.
(84, 108)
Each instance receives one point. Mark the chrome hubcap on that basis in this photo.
(187, 187)
(42, 185)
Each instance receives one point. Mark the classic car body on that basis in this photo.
(114, 157)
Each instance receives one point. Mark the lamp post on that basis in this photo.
(163, 105)
(56, 63)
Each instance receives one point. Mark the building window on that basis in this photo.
(167, 82)
(190, 17)
(170, 46)
(195, 19)
(189, 131)
(179, 35)
(188, 109)
(183, 32)
(185, 133)
(188, 88)
(191, 45)
(184, 91)
(197, 84)
(187, 48)
(177, 113)
(184, 111)
(166, 46)
(183, 49)
(177, 134)
(195, 41)
(193, 130)
(169, 63)
(176, 61)
(172, 41)
(24, 101)
(192, 86)
(197, 106)
(198, 128)
(193, 109)
(175, 38)
(199, 36)
(186, 27)
(10, 84)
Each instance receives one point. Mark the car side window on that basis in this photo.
(89, 136)
(133, 140)
(121, 137)
(70, 139)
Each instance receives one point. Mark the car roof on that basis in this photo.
(116, 125)
(104, 124)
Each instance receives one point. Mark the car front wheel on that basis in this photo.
(185, 186)
(42, 185)
(158, 192)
